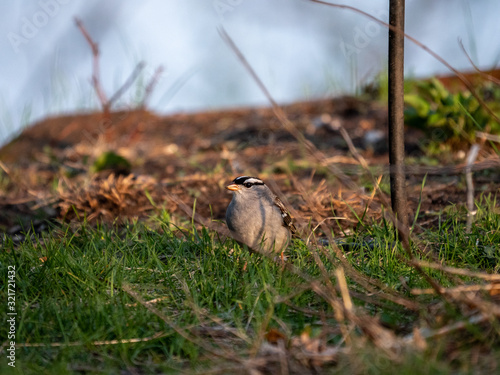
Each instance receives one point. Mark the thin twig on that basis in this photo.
(151, 86)
(96, 80)
(130, 80)
(483, 74)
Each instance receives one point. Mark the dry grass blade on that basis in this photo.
(361, 160)
(459, 289)
(344, 290)
(95, 343)
(106, 199)
(319, 204)
(457, 271)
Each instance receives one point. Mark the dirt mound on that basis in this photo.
(192, 156)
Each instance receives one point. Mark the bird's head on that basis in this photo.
(246, 185)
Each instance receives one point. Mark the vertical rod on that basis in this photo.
(396, 111)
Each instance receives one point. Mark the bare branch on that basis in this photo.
(96, 80)
(93, 45)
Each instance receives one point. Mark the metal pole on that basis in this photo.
(396, 111)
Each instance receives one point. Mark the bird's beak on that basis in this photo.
(233, 187)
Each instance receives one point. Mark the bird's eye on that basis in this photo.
(247, 185)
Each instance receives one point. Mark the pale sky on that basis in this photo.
(299, 49)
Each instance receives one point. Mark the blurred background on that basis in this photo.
(301, 50)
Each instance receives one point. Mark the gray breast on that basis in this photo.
(257, 223)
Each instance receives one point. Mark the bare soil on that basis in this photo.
(46, 170)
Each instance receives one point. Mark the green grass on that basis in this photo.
(71, 291)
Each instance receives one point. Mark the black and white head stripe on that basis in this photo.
(247, 181)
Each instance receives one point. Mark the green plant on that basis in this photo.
(448, 119)
(111, 160)
(148, 297)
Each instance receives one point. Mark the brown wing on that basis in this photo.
(287, 219)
